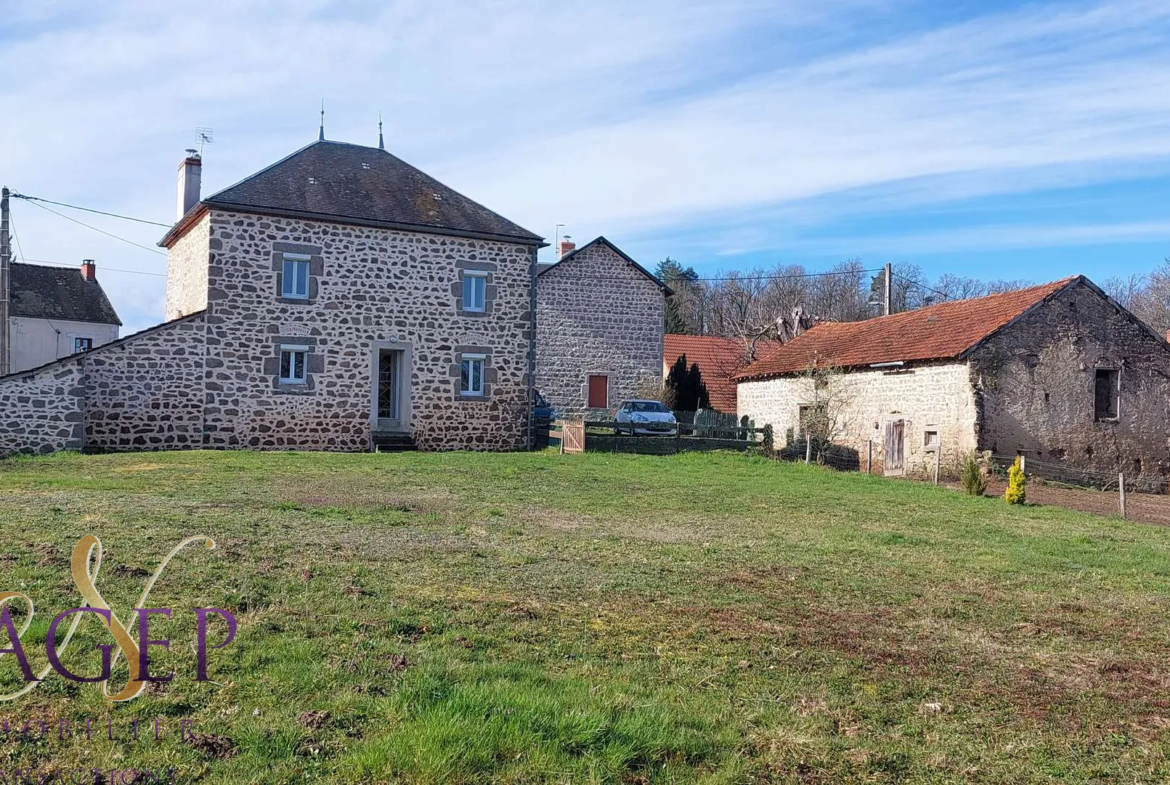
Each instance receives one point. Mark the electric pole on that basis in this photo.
(889, 274)
(5, 284)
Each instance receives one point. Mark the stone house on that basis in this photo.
(599, 329)
(338, 299)
(54, 312)
(1060, 373)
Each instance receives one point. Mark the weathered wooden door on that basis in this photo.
(598, 392)
(895, 447)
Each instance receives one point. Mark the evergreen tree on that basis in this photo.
(679, 280)
(690, 392)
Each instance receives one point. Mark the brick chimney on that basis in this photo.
(88, 270)
(567, 246)
(190, 173)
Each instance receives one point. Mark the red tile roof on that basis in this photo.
(718, 360)
(943, 331)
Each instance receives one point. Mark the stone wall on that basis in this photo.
(1036, 383)
(929, 397)
(372, 288)
(43, 410)
(147, 392)
(596, 314)
(187, 272)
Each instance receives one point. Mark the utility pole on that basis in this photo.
(5, 285)
(888, 276)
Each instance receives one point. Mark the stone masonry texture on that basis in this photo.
(211, 379)
(1036, 381)
(596, 314)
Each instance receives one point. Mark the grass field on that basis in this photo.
(597, 618)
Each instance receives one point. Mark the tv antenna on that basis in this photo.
(206, 136)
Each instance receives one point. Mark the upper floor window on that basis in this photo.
(471, 374)
(294, 282)
(82, 344)
(474, 290)
(293, 362)
(1106, 394)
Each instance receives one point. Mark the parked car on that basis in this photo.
(645, 418)
(542, 413)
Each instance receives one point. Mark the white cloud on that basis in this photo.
(747, 121)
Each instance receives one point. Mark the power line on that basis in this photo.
(99, 231)
(89, 210)
(922, 285)
(16, 237)
(104, 269)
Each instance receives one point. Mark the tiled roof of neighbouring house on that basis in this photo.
(718, 360)
(943, 331)
(338, 181)
(40, 292)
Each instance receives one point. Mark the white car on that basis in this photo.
(645, 418)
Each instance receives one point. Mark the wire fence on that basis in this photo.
(1064, 475)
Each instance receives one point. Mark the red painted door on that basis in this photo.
(598, 392)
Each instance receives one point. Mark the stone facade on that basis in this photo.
(1036, 388)
(43, 410)
(930, 398)
(187, 270)
(596, 314)
(376, 290)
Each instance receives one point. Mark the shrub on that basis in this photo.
(1016, 492)
(971, 477)
(769, 441)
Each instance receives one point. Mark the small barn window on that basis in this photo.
(1106, 394)
(930, 439)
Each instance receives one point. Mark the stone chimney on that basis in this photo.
(190, 173)
(88, 270)
(567, 246)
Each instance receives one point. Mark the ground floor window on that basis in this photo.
(471, 374)
(293, 362)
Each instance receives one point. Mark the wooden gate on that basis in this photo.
(894, 450)
(572, 437)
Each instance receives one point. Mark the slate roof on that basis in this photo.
(718, 359)
(41, 292)
(944, 331)
(602, 241)
(350, 183)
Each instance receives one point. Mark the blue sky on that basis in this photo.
(991, 139)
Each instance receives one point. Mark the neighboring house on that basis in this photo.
(599, 329)
(56, 312)
(338, 299)
(719, 359)
(1058, 372)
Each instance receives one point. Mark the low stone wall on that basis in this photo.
(142, 392)
(43, 410)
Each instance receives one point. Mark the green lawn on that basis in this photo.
(597, 618)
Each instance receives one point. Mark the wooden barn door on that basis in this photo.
(895, 448)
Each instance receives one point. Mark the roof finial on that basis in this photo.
(321, 134)
(381, 144)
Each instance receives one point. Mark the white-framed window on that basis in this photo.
(82, 344)
(293, 364)
(294, 283)
(471, 374)
(474, 290)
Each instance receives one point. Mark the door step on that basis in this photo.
(393, 442)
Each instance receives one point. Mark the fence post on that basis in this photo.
(807, 448)
(937, 461)
(1121, 490)
(869, 456)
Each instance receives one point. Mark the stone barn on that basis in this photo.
(599, 329)
(1060, 373)
(339, 299)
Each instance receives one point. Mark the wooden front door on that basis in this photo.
(598, 392)
(895, 448)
